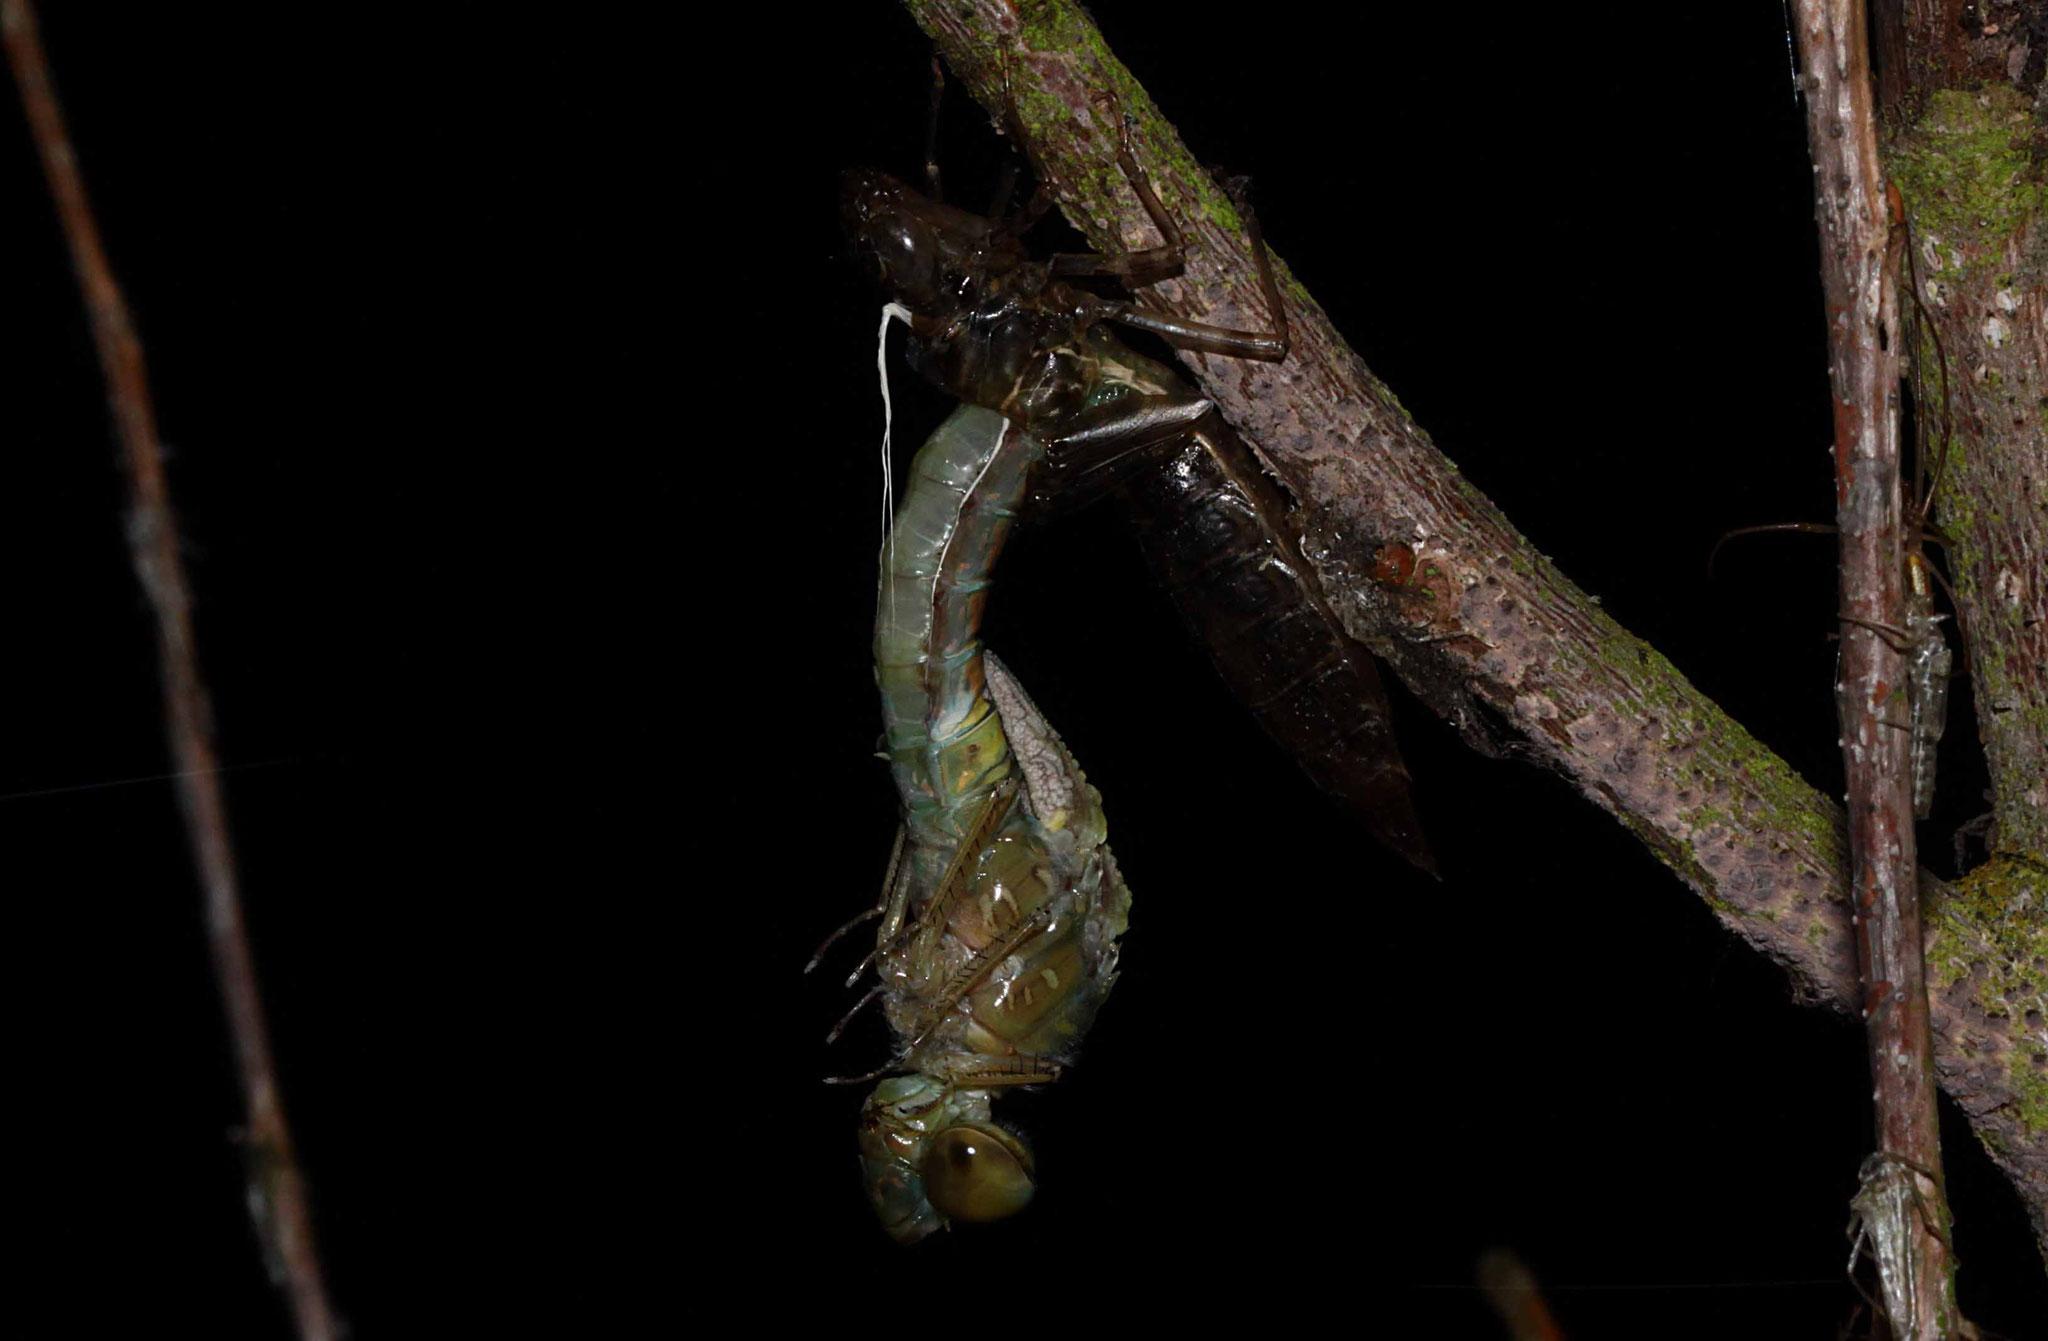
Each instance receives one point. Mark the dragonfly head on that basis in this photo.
(930, 1155)
(929, 255)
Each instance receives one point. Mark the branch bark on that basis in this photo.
(1427, 572)
(1860, 267)
(277, 1191)
(1967, 159)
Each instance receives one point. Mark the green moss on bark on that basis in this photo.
(1999, 905)
(1967, 181)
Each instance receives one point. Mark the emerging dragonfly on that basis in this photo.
(1000, 917)
(1003, 906)
(995, 328)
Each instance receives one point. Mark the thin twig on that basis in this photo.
(277, 1192)
(1511, 1288)
(1860, 266)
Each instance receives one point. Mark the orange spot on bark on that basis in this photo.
(1393, 565)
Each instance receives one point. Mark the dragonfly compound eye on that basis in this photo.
(978, 1173)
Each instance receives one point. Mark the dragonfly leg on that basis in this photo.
(1209, 339)
(1813, 528)
(1270, 346)
(1022, 1069)
(1982, 828)
(818, 955)
(931, 131)
(1239, 190)
(847, 1018)
(939, 1008)
(889, 1068)
(882, 905)
(1034, 209)
(931, 918)
(1907, 642)
(1153, 264)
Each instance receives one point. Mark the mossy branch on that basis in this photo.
(1424, 569)
(1975, 194)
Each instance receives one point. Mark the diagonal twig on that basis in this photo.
(277, 1194)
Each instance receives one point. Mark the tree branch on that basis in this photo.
(1428, 573)
(1860, 276)
(277, 1193)
(1969, 166)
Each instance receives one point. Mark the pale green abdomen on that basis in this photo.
(945, 742)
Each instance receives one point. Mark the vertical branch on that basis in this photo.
(277, 1189)
(1859, 269)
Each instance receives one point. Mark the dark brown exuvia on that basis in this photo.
(995, 328)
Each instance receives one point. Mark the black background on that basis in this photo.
(524, 424)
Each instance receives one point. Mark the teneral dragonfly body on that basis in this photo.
(999, 939)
